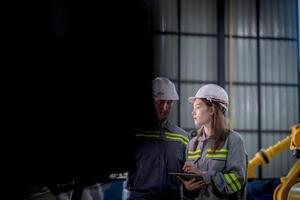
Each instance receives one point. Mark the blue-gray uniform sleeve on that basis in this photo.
(232, 179)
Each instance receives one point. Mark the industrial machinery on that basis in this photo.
(289, 187)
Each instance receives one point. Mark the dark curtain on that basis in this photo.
(79, 85)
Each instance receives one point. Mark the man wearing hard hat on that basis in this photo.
(159, 151)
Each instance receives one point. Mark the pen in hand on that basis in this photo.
(192, 168)
(188, 166)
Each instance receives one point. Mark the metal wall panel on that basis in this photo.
(199, 16)
(243, 16)
(279, 107)
(164, 14)
(278, 61)
(198, 58)
(278, 18)
(244, 107)
(244, 60)
(165, 56)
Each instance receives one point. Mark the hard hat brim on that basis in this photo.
(192, 99)
(167, 99)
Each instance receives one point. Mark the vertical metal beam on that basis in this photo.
(297, 2)
(258, 81)
(221, 42)
(179, 56)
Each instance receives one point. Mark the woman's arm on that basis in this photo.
(232, 179)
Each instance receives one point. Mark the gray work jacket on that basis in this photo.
(157, 153)
(224, 170)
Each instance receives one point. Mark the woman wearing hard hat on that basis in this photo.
(217, 153)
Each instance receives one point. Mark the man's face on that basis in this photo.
(162, 109)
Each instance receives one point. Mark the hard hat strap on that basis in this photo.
(211, 99)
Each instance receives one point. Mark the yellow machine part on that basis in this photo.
(281, 192)
(294, 193)
(269, 153)
(295, 140)
(288, 189)
(292, 141)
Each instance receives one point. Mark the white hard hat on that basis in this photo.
(164, 89)
(213, 93)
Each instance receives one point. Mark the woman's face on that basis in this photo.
(202, 113)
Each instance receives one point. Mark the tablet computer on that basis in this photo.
(187, 176)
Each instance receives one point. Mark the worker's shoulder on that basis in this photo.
(175, 129)
(235, 137)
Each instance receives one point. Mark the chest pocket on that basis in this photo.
(217, 159)
(217, 164)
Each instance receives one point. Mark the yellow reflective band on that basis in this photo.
(170, 134)
(146, 135)
(216, 156)
(176, 138)
(195, 156)
(178, 135)
(218, 150)
(230, 182)
(235, 179)
(194, 152)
